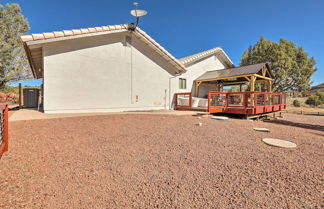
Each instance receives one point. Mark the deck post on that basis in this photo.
(20, 96)
(252, 83)
(197, 87)
(270, 85)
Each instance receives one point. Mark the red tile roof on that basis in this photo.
(57, 34)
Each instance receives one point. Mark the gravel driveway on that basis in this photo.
(156, 161)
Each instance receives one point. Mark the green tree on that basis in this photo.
(320, 95)
(291, 66)
(13, 62)
(234, 89)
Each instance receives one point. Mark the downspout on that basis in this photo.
(131, 72)
(170, 101)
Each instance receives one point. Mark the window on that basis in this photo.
(182, 83)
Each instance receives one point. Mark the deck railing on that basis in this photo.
(183, 100)
(3, 128)
(250, 103)
(217, 102)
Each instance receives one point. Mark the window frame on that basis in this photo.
(182, 83)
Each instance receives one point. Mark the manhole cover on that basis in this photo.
(279, 143)
(262, 129)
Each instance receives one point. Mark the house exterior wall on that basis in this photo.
(105, 74)
(197, 69)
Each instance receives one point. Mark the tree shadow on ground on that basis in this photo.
(295, 124)
(317, 134)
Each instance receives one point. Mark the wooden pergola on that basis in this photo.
(249, 74)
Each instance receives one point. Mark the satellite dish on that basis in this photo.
(138, 13)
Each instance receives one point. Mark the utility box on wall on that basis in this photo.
(31, 97)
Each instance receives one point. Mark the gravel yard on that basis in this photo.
(162, 161)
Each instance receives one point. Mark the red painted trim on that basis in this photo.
(4, 145)
(208, 107)
(178, 107)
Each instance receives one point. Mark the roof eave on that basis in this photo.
(37, 40)
(268, 64)
(30, 61)
(191, 60)
(153, 44)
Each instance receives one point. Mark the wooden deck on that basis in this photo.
(199, 109)
(244, 103)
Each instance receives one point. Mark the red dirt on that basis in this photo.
(146, 161)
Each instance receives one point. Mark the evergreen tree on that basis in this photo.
(13, 62)
(290, 64)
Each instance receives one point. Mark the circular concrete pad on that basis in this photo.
(279, 143)
(262, 129)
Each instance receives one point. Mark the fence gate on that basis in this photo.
(3, 128)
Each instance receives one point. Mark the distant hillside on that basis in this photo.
(10, 89)
(14, 89)
(319, 87)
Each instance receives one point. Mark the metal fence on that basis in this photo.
(3, 128)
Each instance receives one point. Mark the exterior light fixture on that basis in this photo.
(136, 13)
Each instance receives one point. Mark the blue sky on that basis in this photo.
(185, 27)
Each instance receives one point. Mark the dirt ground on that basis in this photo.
(162, 161)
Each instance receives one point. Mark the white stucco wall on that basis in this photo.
(104, 74)
(197, 69)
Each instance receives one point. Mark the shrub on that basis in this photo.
(296, 103)
(313, 100)
(320, 94)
